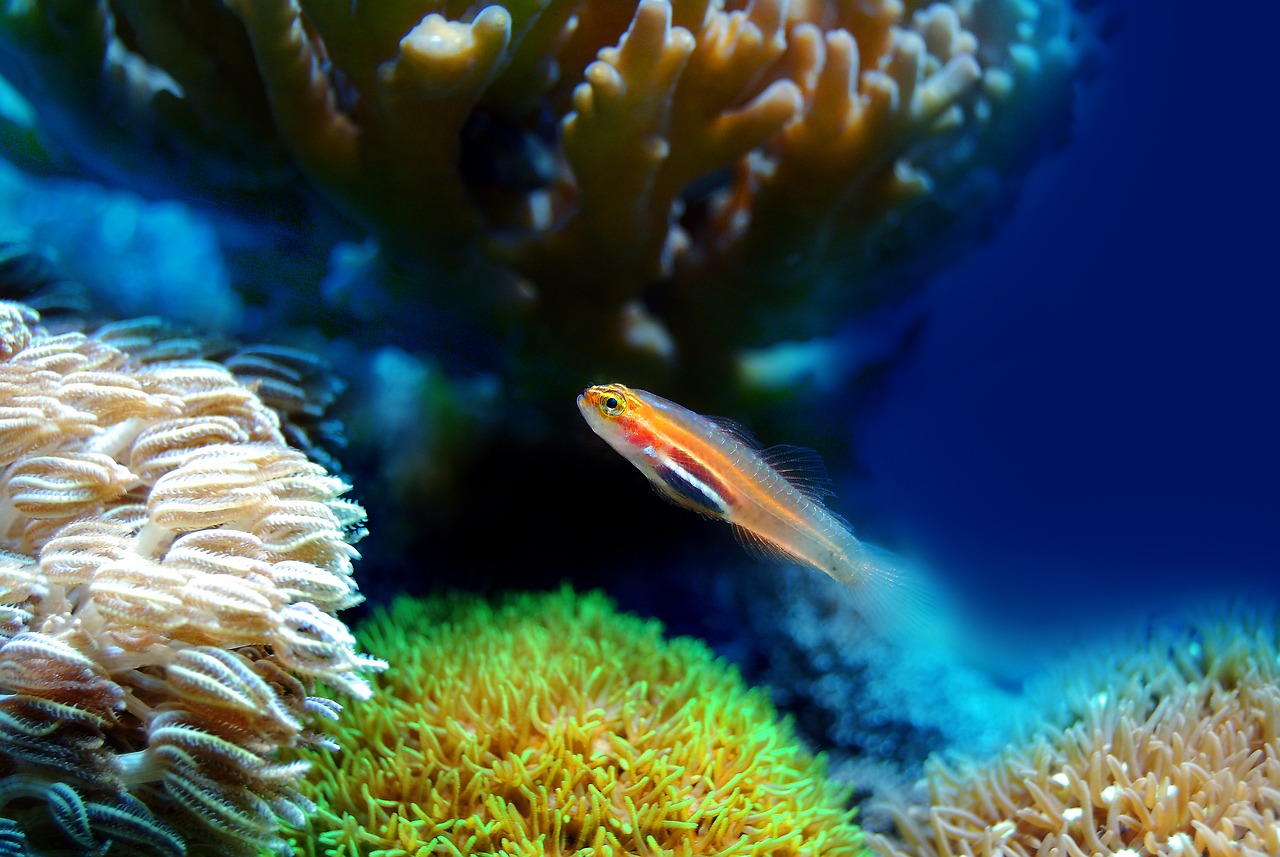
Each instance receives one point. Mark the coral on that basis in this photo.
(169, 578)
(1173, 748)
(551, 724)
(648, 184)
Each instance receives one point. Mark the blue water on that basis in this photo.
(1086, 428)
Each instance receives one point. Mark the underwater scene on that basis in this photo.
(826, 428)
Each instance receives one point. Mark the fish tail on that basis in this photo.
(896, 599)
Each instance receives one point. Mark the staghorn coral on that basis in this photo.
(550, 724)
(672, 180)
(169, 578)
(1171, 749)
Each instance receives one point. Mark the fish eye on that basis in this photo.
(612, 406)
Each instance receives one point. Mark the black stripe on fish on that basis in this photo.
(689, 484)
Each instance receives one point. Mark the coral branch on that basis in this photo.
(614, 142)
(856, 124)
(303, 103)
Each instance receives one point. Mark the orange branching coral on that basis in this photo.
(169, 578)
(665, 176)
(1172, 750)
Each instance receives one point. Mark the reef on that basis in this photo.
(474, 210)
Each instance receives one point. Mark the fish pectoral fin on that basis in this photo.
(760, 547)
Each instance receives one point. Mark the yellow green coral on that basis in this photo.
(551, 724)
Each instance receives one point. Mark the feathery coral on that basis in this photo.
(168, 580)
(1174, 749)
(673, 177)
(550, 724)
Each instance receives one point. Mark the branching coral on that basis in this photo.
(168, 583)
(671, 177)
(1171, 750)
(550, 724)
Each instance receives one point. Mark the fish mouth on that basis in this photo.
(582, 402)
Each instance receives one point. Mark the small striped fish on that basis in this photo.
(772, 498)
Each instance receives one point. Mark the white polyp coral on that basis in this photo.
(169, 573)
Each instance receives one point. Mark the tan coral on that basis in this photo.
(170, 574)
(1172, 749)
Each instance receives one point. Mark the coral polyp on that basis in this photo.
(170, 571)
(552, 724)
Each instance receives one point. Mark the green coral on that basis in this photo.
(552, 724)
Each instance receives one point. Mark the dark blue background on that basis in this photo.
(1086, 429)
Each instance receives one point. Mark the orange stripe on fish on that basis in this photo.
(772, 498)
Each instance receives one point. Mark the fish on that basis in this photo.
(772, 498)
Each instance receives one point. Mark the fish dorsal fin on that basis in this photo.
(736, 430)
(802, 467)
(759, 547)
